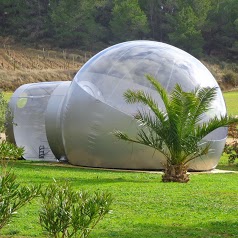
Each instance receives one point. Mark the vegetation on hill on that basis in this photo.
(197, 26)
(208, 29)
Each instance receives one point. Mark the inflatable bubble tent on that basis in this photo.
(74, 120)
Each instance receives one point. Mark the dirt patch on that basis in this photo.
(229, 140)
(2, 137)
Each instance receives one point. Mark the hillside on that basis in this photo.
(20, 65)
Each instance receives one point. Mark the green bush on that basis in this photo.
(4, 112)
(13, 196)
(9, 151)
(68, 213)
(231, 149)
(230, 77)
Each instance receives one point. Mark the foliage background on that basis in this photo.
(198, 26)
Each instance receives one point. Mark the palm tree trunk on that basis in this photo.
(175, 173)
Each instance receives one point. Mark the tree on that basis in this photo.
(187, 35)
(128, 22)
(221, 29)
(25, 19)
(74, 22)
(187, 25)
(103, 15)
(159, 14)
(178, 131)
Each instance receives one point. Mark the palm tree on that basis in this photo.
(177, 131)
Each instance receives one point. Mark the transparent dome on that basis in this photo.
(114, 70)
(95, 106)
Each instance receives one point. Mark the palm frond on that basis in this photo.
(199, 152)
(180, 109)
(123, 136)
(149, 121)
(155, 129)
(146, 99)
(205, 97)
(213, 124)
(153, 141)
(159, 88)
(133, 96)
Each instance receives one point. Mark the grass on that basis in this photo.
(231, 99)
(143, 206)
(223, 164)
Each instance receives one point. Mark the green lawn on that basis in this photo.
(143, 206)
(231, 99)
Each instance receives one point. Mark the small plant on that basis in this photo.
(177, 131)
(9, 151)
(13, 196)
(4, 110)
(232, 150)
(230, 77)
(68, 213)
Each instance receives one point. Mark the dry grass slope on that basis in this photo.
(20, 65)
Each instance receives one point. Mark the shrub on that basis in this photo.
(13, 196)
(233, 131)
(68, 213)
(230, 77)
(9, 151)
(232, 150)
(4, 110)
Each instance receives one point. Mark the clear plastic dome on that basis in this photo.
(118, 68)
(95, 106)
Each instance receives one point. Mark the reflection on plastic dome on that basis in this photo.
(75, 120)
(124, 66)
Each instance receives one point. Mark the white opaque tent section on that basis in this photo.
(29, 104)
(53, 118)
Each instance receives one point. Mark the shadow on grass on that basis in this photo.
(177, 230)
(63, 166)
(44, 172)
(228, 167)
